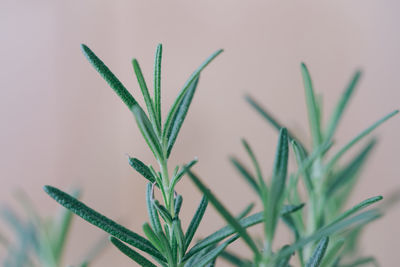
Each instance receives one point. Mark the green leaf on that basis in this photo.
(234, 259)
(163, 212)
(63, 227)
(229, 218)
(262, 186)
(157, 83)
(146, 96)
(283, 262)
(190, 261)
(357, 208)
(249, 178)
(276, 194)
(330, 229)
(210, 256)
(312, 107)
(223, 233)
(245, 212)
(153, 215)
(102, 222)
(364, 133)
(350, 170)
(288, 209)
(139, 259)
(182, 93)
(194, 223)
(180, 174)
(270, 118)
(177, 230)
(289, 221)
(332, 253)
(148, 133)
(154, 238)
(307, 163)
(179, 116)
(141, 168)
(301, 157)
(340, 107)
(178, 205)
(110, 78)
(318, 254)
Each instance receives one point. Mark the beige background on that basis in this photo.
(62, 125)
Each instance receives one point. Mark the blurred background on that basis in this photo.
(62, 125)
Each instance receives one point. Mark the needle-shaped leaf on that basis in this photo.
(179, 116)
(139, 259)
(364, 133)
(194, 223)
(223, 233)
(163, 211)
(332, 253)
(301, 156)
(110, 78)
(318, 254)
(275, 196)
(307, 163)
(283, 262)
(157, 83)
(182, 93)
(287, 209)
(142, 168)
(191, 260)
(270, 118)
(262, 186)
(356, 208)
(153, 215)
(180, 238)
(312, 107)
(340, 107)
(146, 96)
(62, 228)
(350, 170)
(289, 221)
(210, 256)
(180, 174)
(249, 178)
(235, 259)
(153, 238)
(178, 205)
(102, 222)
(245, 212)
(148, 132)
(229, 218)
(328, 230)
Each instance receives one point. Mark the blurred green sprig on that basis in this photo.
(37, 240)
(324, 233)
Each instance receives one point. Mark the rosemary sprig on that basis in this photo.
(327, 186)
(165, 241)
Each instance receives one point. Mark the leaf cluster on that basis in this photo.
(165, 242)
(324, 232)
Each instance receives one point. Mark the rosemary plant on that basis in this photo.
(37, 241)
(166, 242)
(324, 233)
